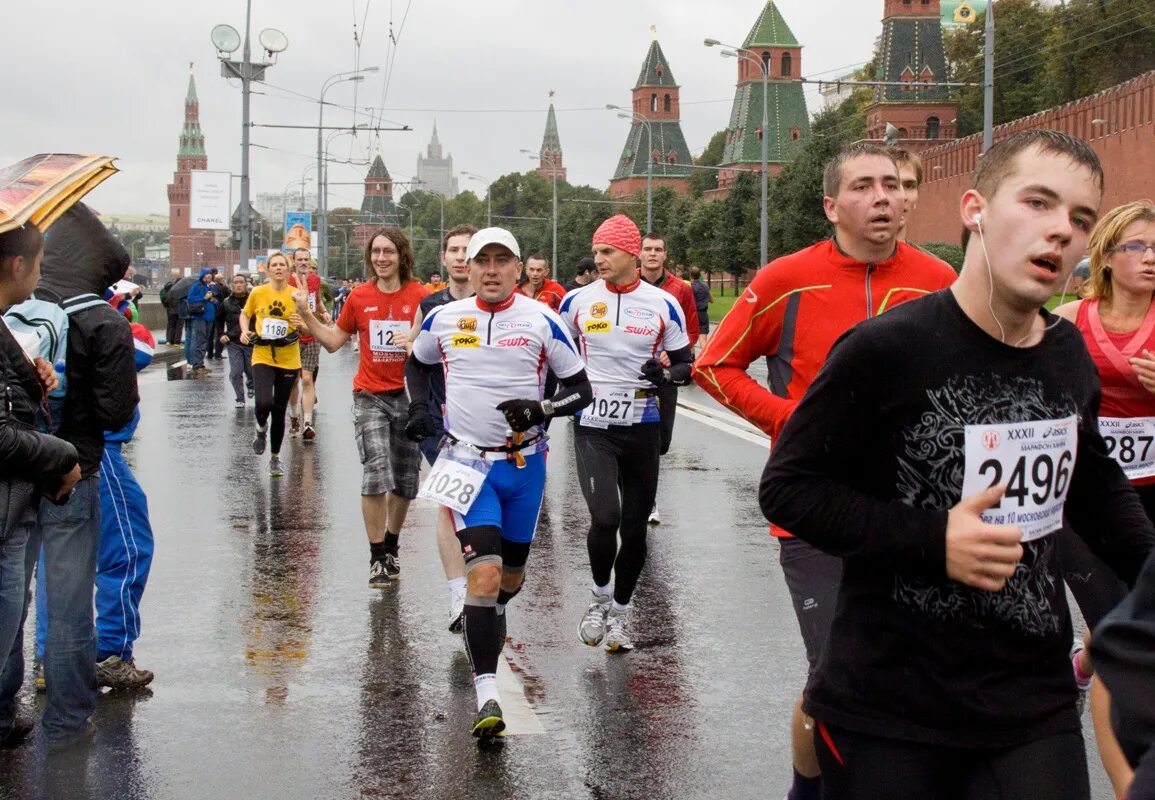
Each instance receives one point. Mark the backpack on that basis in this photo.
(41, 329)
(164, 293)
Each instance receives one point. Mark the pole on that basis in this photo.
(989, 79)
(649, 178)
(554, 262)
(489, 206)
(322, 254)
(246, 72)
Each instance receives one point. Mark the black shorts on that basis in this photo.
(813, 578)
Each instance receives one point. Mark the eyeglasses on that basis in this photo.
(1134, 248)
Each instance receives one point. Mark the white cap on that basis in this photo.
(492, 236)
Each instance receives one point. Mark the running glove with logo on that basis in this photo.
(420, 425)
(522, 414)
(655, 373)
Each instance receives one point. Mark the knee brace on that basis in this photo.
(480, 544)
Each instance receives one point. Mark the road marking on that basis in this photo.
(734, 425)
(520, 719)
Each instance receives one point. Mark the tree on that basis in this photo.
(703, 180)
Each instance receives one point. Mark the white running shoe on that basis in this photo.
(456, 610)
(592, 628)
(616, 637)
(655, 517)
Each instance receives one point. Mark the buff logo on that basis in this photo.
(598, 310)
(465, 340)
(514, 341)
(597, 326)
(467, 323)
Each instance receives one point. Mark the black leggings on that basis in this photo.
(273, 386)
(618, 469)
(856, 765)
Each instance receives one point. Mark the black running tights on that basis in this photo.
(618, 469)
(273, 386)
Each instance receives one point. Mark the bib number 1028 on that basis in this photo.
(1039, 479)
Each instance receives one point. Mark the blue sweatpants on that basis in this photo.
(123, 561)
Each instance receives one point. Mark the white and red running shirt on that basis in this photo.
(619, 328)
(492, 353)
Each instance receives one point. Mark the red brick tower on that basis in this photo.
(183, 243)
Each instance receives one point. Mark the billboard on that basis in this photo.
(297, 227)
(210, 200)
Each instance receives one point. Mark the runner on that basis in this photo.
(703, 296)
(585, 273)
(910, 177)
(1117, 320)
(792, 313)
(240, 356)
(380, 313)
(269, 325)
(538, 285)
(937, 451)
(622, 324)
(654, 272)
(304, 274)
(492, 349)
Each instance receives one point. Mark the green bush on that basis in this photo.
(950, 253)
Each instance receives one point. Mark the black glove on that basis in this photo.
(420, 425)
(522, 414)
(655, 373)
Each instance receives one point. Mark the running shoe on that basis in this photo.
(655, 516)
(275, 470)
(489, 722)
(239, 403)
(19, 732)
(616, 637)
(294, 426)
(1082, 681)
(251, 392)
(392, 565)
(378, 577)
(308, 433)
(116, 673)
(259, 441)
(592, 628)
(38, 676)
(456, 610)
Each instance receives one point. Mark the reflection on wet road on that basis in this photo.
(279, 674)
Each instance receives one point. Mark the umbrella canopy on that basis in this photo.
(179, 290)
(41, 188)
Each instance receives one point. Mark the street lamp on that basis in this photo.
(553, 174)
(226, 39)
(736, 52)
(488, 195)
(353, 76)
(649, 159)
(441, 199)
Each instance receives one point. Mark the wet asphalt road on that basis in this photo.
(281, 674)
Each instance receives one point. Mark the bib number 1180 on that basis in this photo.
(1039, 479)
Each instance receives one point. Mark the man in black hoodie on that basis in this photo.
(240, 355)
(81, 259)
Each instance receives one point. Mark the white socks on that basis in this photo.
(486, 687)
(618, 608)
(456, 585)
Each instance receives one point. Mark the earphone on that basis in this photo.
(978, 218)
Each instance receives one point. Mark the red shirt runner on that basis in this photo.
(377, 317)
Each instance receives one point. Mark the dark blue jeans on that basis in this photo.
(12, 593)
(70, 534)
(200, 331)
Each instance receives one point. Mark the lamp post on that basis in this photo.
(553, 175)
(440, 199)
(226, 40)
(488, 195)
(630, 115)
(736, 52)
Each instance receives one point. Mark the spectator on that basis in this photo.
(175, 329)
(201, 309)
(702, 299)
(220, 290)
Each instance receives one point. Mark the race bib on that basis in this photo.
(312, 298)
(454, 481)
(274, 328)
(610, 407)
(382, 333)
(1035, 461)
(1129, 442)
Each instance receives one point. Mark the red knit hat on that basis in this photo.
(620, 231)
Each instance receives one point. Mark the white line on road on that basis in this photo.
(733, 426)
(520, 719)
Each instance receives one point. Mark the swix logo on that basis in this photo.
(641, 331)
(1020, 434)
(991, 440)
(514, 341)
(467, 323)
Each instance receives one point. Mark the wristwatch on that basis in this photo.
(547, 408)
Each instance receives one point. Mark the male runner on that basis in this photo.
(380, 312)
(537, 283)
(306, 387)
(938, 452)
(492, 349)
(791, 314)
(453, 247)
(654, 272)
(621, 323)
(585, 274)
(910, 176)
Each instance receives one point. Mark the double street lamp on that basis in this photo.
(649, 159)
(764, 68)
(488, 195)
(553, 173)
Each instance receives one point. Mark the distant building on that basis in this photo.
(377, 207)
(149, 223)
(188, 248)
(834, 93)
(434, 172)
(550, 162)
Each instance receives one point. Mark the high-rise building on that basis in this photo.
(188, 248)
(550, 162)
(435, 172)
(769, 51)
(655, 144)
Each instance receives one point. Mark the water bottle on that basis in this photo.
(61, 379)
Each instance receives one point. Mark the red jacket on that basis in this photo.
(550, 293)
(792, 313)
(672, 284)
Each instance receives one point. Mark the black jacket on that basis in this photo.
(230, 312)
(80, 256)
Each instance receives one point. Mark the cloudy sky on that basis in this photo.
(110, 78)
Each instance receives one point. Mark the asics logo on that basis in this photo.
(750, 297)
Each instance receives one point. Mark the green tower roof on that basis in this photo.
(377, 168)
(192, 141)
(668, 139)
(786, 109)
(551, 142)
(770, 30)
(655, 69)
(191, 95)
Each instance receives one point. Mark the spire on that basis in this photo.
(377, 169)
(550, 162)
(433, 149)
(655, 69)
(192, 141)
(551, 142)
(770, 30)
(191, 95)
